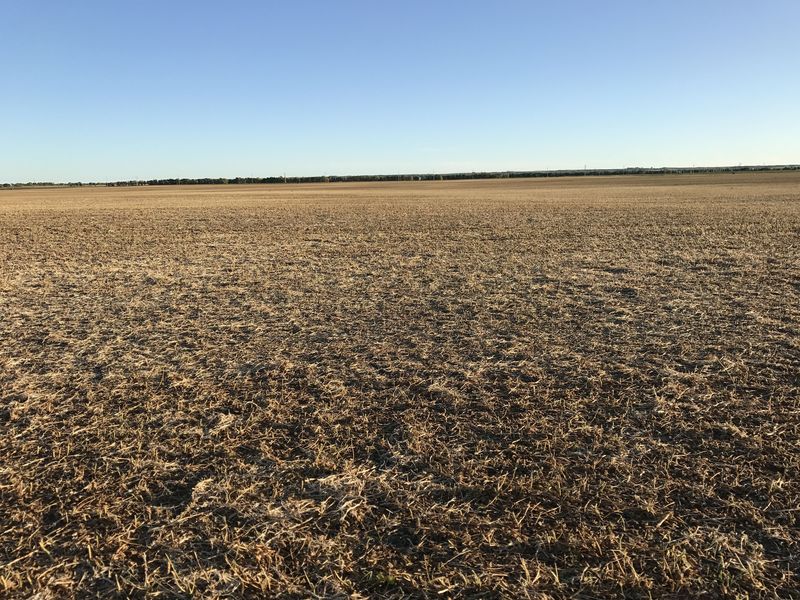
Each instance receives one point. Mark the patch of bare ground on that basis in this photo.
(573, 388)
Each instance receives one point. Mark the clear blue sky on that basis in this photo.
(107, 90)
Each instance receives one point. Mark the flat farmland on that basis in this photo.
(578, 387)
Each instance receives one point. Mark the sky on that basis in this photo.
(141, 89)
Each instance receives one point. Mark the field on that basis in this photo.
(579, 387)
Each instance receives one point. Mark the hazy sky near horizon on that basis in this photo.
(97, 90)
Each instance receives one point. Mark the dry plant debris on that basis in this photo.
(572, 388)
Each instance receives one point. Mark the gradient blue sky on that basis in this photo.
(107, 90)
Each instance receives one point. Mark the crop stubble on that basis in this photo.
(529, 388)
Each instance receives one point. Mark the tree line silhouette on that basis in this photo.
(413, 177)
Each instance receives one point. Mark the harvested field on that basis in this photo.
(578, 388)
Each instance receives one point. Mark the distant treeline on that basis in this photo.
(419, 176)
(457, 176)
(49, 184)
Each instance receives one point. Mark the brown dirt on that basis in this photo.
(514, 388)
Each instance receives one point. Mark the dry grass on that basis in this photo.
(575, 388)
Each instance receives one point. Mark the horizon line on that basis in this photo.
(427, 176)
